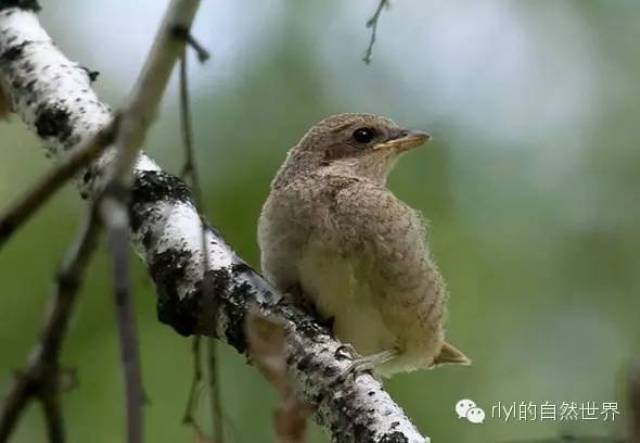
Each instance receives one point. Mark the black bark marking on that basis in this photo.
(350, 419)
(27, 67)
(30, 85)
(13, 53)
(303, 365)
(167, 269)
(53, 121)
(213, 287)
(154, 186)
(394, 437)
(329, 372)
(198, 312)
(235, 307)
(151, 187)
(29, 5)
(240, 268)
(88, 175)
(307, 326)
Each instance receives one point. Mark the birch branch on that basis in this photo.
(53, 97)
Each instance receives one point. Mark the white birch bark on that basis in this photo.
(54, 98)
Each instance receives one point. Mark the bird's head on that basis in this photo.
(363, 145)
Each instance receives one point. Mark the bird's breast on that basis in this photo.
(341, 286)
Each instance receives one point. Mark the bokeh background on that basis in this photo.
(531, 185)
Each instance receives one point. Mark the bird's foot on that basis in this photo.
(370, 362)
(346, 351)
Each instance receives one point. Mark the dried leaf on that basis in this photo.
(267, 345)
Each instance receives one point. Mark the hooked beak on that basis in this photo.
(404, 140)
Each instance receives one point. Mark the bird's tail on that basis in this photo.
(450, 355)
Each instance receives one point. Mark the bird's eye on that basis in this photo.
(364, 135)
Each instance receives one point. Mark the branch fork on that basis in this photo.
(53, 97)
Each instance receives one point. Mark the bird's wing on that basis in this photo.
(372, 220)
(289, 217)
(411, 293)
(282, 231)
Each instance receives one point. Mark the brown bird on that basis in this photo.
(334, 237)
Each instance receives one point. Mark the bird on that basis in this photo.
(337, 242)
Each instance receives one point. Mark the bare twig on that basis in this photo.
(115, 212)
(26, 206)
(373, 24)
(147, 94)
(136, 119)
(634, 402)
(189, 411)
(52, 409)
(42, 377)
(166, 231)
(201, 52)
(190, 170)
(214, 389)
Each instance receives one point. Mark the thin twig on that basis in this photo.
(190, 170)
(119, 245)
(201, 52)
(52, 409)
(136, 118)
(355, 409)
(42, 377)
(634, 402)
(26, 206)
(373, 24)
(147, 94)
(196, 378)
(214, 389)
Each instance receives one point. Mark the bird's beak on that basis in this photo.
(404, 140)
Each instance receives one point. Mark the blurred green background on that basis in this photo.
(531, 185)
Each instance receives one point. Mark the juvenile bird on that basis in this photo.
(333, 237)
